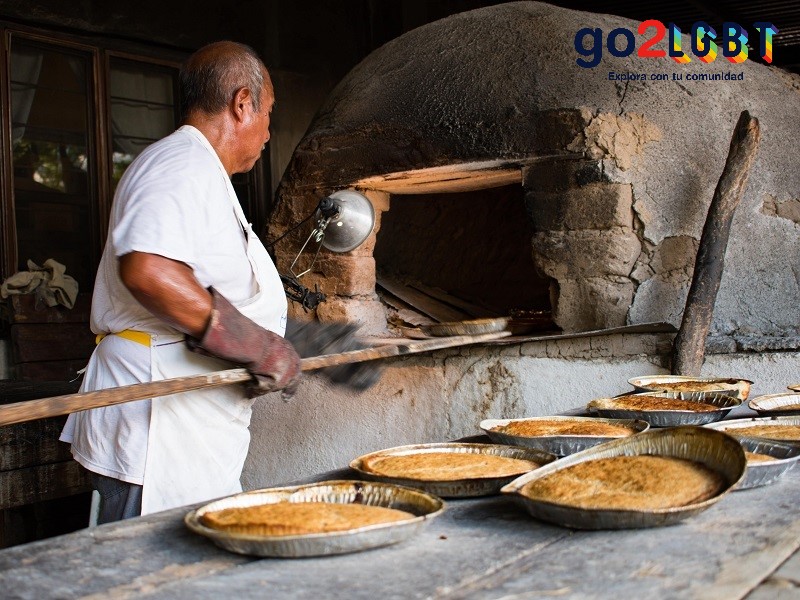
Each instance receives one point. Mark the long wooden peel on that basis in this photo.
(42, 408)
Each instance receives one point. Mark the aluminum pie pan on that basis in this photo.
(786, 455)
(776, 404)
(731, 426)
(719, 452)
(421, 505)
(560, 445)
(459, 488)
(727, 385)
(472, 327)
(604, 407)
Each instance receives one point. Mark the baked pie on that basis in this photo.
(645, 402)
(692, 386)
(446, 466)
(774, 432)
(628, 483)
(298, 518)
(542, 427)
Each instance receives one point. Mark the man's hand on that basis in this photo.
(231, 336)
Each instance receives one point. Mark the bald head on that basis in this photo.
(210, 77)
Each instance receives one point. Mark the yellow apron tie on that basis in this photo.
(140, 337)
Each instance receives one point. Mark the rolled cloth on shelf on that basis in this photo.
(49, 283)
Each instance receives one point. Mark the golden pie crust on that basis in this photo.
(757, 457)
(774, 432)
(628, 483)
(562, 427)
(657, 403)
(298, 518)
(446, 466)
(692, 386)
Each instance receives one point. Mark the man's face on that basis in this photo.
(254, 134)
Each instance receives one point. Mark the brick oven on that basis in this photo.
(506, 175)
(538, 235)
(478, 133)
(547, 234)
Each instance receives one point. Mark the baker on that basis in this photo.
(185, 287)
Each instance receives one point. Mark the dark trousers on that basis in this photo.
(118, 500)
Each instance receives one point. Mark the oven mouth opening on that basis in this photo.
(443, 257)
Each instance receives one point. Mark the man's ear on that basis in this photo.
(241, 98)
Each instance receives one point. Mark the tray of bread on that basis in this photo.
(767, 460)
(666, 409)
(451, 470)
(560, 435)
(776, 404)
(329, 517)
(783, 429)
(693, 387)
(655, 478)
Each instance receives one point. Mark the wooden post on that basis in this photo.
(690, 343)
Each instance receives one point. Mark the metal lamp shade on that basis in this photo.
(352, 224)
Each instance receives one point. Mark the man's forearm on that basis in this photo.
(168, 289)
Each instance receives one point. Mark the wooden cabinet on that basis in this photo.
(49, 344)
(43, 491)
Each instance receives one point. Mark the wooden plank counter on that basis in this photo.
(479, 548)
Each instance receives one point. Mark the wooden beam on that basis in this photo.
(449, 178)
(423, 302)
(690, 343)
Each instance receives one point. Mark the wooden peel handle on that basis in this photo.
(42, 408)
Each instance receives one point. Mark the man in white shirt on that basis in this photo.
(182, 263)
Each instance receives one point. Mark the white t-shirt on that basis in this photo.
(172, 201)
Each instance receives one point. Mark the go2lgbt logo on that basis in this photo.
(703, 46)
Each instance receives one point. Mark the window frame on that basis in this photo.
(107, 57)
(100, 52)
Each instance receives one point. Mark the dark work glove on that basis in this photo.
(315, 339)
(230, 335)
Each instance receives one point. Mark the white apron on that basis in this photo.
(198, 441)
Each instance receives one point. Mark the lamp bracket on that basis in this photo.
(299, 293)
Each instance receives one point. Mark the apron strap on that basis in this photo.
(144, 338)
(140, 337)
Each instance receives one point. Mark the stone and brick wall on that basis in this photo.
(584, 240)
(617, 176)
